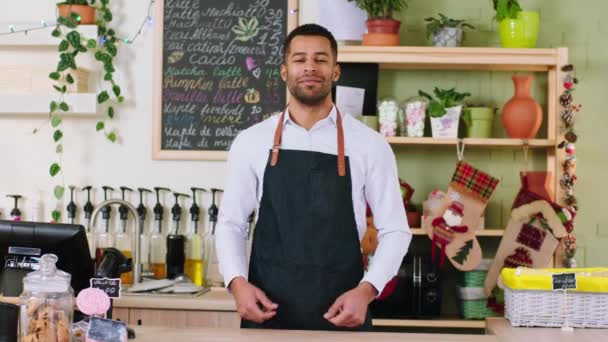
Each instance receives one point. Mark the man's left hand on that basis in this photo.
(350, 309)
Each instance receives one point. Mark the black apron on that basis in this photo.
(306, 250)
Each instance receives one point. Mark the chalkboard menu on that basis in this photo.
(220, 73)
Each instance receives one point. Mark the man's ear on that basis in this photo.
(337, 72)
(284, 72)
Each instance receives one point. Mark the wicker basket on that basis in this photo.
(538, 305)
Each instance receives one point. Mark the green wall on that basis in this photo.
(578, 25)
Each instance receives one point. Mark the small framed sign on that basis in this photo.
(111, 286)
(564, 281)
(106, 330)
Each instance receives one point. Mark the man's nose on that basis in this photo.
(310, 66)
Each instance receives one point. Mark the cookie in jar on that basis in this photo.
(47, 304)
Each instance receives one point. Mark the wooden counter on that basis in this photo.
(498, 329)
(157, 334)
(216, 299)
(507, 333)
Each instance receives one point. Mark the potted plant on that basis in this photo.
(85, 14)
(516, 28)
(479, 120)
(444, 111)
(382, 28)
(444, 31)
(71, 45)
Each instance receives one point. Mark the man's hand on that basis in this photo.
(350, 309)
(251, 302)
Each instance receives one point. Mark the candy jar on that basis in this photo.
(413, 116)
(388, 116)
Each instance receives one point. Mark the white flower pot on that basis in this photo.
(447, 125)
(448, 37)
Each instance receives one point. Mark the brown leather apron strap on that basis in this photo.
(279, 133)
(341, 159)
(277, 140)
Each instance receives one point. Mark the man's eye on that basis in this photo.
(321, 60)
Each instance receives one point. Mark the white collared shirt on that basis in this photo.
(374, 180)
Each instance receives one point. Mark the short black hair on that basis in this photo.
(310, 30)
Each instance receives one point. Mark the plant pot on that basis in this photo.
(382, 25)
(381, 32)
(521, 32)
(447, 37)
(86, 13)
(414, 218)
(522, 115)
(370, 121)
(478, 121)
(447, 125)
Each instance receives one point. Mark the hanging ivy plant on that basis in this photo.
(70, 46)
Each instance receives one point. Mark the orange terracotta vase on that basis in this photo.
(522, 115)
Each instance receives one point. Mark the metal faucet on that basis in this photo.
(139, 228)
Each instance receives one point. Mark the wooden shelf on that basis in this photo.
(43, 37)
(460, 58)
(82, 104)
(491, 142)
(480, 232)
(430, 323)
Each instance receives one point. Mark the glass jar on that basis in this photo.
(46, 304)
(413, 117)
(388, 117)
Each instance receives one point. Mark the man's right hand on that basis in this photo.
(251, 302)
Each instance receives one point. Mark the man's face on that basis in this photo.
(309, 69)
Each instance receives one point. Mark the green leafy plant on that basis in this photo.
(506, 9)
(434, 25)
(445, 98)
(381, 9)
(70, 46)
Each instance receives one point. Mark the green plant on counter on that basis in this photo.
(380, 9)
(444, 98)
(70, 46)
(506, 9)
(434, 25)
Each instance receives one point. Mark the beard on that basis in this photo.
(309, 98)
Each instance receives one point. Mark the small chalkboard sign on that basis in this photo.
(110, 286)
(564, 281)
(106, 330)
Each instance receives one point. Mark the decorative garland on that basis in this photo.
(568, 179)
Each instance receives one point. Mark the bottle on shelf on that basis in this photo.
(194, 245)
(158, 246)
(123, 239)
(144, 237)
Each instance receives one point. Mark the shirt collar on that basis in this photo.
(333, 116)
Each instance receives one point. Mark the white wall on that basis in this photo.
(88, 158)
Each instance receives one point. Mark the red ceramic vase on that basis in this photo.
(522, 115)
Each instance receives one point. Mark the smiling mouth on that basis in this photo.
(310, 81)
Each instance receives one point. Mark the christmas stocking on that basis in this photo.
(452, 225)
(531, 236)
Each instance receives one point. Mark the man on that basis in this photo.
(311, 170)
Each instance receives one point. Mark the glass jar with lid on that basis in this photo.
(47, 304)
(413, 117)
(388, 117)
